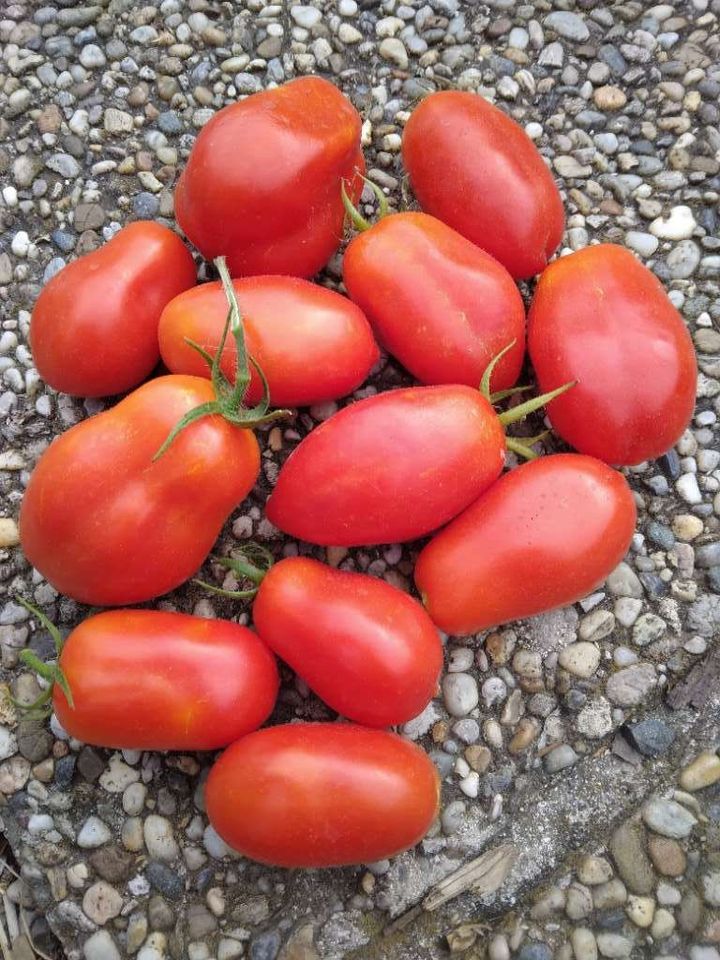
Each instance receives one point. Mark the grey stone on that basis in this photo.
(668, 818)
(628, 849)
(568, 25)
(63, 164)
(630, 686)
(652, 737)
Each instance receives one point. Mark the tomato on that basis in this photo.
(366, 648)
(389, 468)
(150, 680)
(600, 317)
(473, 167)
(107, 525)
(93, 331)
(262, 183)
(322, 795)
(312, 344)
(437, 302)
(545, 535)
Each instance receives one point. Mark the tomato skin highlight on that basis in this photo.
(312, 344)
(438, 303)
(366, 648)
(322, 795)
(600, 317)
(150, 680)
(475, 169)
(93, 331)
(545, 535)
(262, 183)
(389, 468)
(106, 525)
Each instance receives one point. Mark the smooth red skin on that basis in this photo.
(107, 526)
(437, 302)
(262, 183)
(312, 344)
(93, 331)
(150, 680)
(600, 317)
(366, 648)
(322, 795)
(545, 535)
(474, 168)
(390, 468)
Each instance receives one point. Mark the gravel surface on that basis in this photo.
(555, 734)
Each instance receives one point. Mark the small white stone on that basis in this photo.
(394, 50)
(641, 910)
(460, 693)
(20, 245)
(118, 775)
(687, 487)
(470, 785)
(305, 17)
(100, 946)
(93, 833)
(159, 838)
(678, 226)
(8, 743)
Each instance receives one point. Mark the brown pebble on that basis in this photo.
(440, 731)
(478, 757)
(50, 119)
(609, 98)
(527, 731)
(667, 855)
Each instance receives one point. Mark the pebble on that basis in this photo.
(624, 582)
(584, 944)
(641, 910)
(394, 50)
(101, 902)
(667, 855)
(627, 846)
(609, 98)
(118, 775)
(683, 260)
(710, 883)
(668, 818)
(560, 758)
(64, 164)
(594, 870)
(679, 224)
(595, 719)
(460, 693)
(630, 686)
(159, 838)
(100, 946)
(687, 527)
(687, 487)
(93, 833)
(614, 945)
(704, 771)
(651, 737)
(643, 243)
(567, 25)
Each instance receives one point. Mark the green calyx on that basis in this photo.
(522, 447)
(354, 215)
(229, 399)
(49, 672)
(249, 566)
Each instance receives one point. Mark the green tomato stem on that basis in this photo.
(229, 401)
(50, 672)
(354, 215)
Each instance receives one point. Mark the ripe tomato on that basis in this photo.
(473, 167)
(107, 525)
(262, 183)
(389, 468)
(543, 536)
(313, 345)
(149, 680)
(93, 331)
(437, 302)
(600, 317)
(321, 795)
(366, 648)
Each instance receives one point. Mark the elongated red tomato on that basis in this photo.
(149, 680)
(108, 526)
(366, 648)
(437, 302)
(600, 317)
(262, 183)
(393, 467)
(543, 536)
(313, 345)
(93, 331)
(321, 795)
(473, 167)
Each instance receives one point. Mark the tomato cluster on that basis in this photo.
(127, 505)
